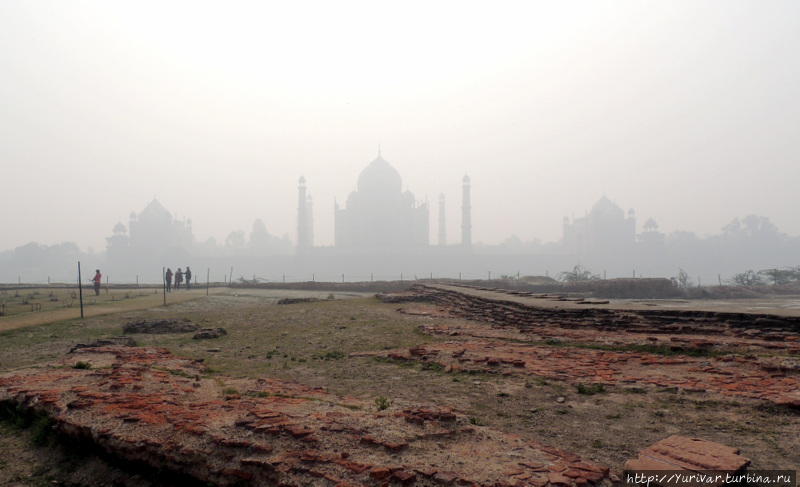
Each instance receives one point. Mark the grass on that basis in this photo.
(59, 298)
(590, 389)
(63, 306)
(634, 390)
(396, 361)
(39, 424)
(332, 355)
(42, 430)
(432, 366)
(82, 365)
(382, 403)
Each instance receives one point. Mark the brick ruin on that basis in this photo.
(153, 409)
(657, 321)
(149, 407)
(570, 334)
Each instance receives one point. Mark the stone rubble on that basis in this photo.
(147, 406)
(207, 333)
(688, 454)
(160, 326)
(728, 376)
(497, 331)
(124, 341)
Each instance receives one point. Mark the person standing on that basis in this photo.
(97, 279)
(188, 276)
(178, 278)
(168, 279)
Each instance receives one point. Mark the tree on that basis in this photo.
(682, 279)
(650, 225)
(780, 276)
(578, 273)
(751, 226)
(747, 278)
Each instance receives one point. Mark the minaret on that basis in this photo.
(310, 221)
(466, 214)
(303, 213)
(442, 227)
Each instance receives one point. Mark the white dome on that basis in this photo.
(379, 176)
(605, 208)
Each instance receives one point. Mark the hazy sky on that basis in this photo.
(688, 111)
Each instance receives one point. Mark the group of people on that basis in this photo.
(180, 276)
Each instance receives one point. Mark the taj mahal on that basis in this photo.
(379, 216)
(381, 231)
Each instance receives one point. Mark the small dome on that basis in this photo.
(379, 176)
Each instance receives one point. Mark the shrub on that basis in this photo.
(433, 366)
(590, 389)
(382, 403)
(332, 355)
(42, 429)
(577, 274)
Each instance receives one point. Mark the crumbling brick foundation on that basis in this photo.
(145, 405)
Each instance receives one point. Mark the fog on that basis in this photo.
(686, 111)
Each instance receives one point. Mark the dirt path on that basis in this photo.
(144, 302)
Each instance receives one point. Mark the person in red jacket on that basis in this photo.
(97, 279)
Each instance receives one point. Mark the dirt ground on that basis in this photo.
(311, 343)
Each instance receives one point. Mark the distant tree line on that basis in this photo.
(775, 277)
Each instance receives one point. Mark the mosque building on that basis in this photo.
(606, 229)
(151, 231)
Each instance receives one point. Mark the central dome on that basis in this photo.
(606, 208)
(379, 176)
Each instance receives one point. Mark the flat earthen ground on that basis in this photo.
(344, 346)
